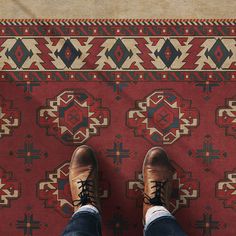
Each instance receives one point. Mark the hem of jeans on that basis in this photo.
(158, 219)
(87, 209)
(87, 212)
(78, 214)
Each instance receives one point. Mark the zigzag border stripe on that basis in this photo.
(117, 22)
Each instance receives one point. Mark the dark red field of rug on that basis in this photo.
(122, 87)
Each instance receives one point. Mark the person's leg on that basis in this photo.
(85, 222)
(160, 222)
(83, 183)
(157, 175)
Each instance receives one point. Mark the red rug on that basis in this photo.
(121, 86)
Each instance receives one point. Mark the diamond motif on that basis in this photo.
(119, 53)
(74, 116)
(19, 53)
(218, 53)
(168, 53)
(163, 117)
(68, 53)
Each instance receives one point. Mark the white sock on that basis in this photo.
(156, 212)
(88, 208)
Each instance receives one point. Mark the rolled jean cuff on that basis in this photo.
(155, 213)
(85, 221)
(87, 208)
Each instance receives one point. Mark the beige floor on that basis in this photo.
(118, 9)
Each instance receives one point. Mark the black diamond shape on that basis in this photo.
(168, 53)
(218, 53)
(68, 53)
(119, 53)
(19, 53)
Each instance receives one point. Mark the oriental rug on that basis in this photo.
(122, 87)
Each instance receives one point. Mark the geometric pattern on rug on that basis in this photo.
(73, 116)
(226, 117)
(184, 190)
(121, 87)
(226, 190)
(10, 188)
(55, 190)
(163, 117)
(9, 117)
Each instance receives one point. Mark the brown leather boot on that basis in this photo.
(83, 176)
(157, 177)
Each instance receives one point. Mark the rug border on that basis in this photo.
(115, 22)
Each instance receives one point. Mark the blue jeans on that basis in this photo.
(89, 224)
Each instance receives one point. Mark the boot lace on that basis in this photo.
(157, 199)
(86, 194)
